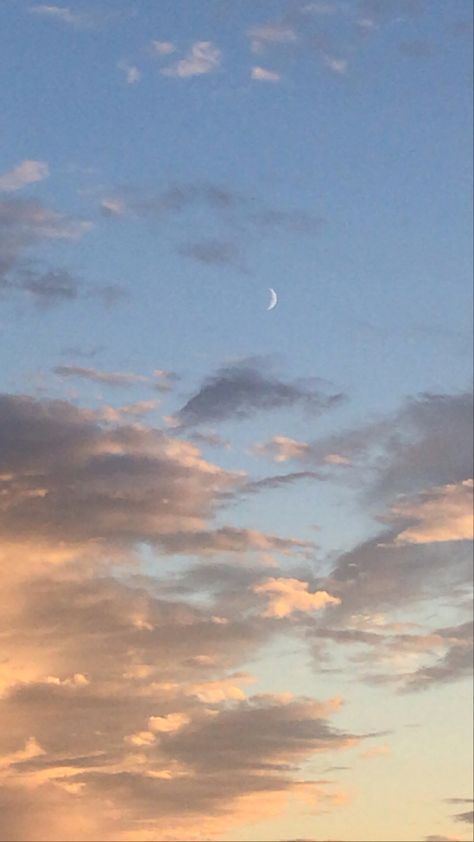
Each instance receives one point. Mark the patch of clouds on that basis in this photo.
(28, 172)
(203, 58)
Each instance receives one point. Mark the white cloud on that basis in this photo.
(336, 65)
(61, 13)
(203, 57)
(28, 172)
(261, 74)
(289, 595)
(132, 73)
(163, 48)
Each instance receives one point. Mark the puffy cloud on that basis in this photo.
(262, 74)
(289, 595)
(28, 172)
(203, 57)
(283, 448)
(243, 389)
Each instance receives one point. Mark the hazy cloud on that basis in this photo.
(28, 172)
(204, 57)
(262, 74)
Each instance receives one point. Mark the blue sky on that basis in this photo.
(170, 443)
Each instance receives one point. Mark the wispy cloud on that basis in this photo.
(131, 71)
(64, 14)
(262, 74)
(204, 57)
(28, 172)
(163, 48)
(160, 380)
(271, 33)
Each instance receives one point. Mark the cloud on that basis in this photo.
(270, 34)
(289, 595)
(336, 65)
(211, 252)
(204, 57)
(261, 74)
(24, 224)
(443, 513)
(467, 818)
(229, 539)
(426, 443)
(242, 389)
(132, 72)
(63, 14)
(161, 381)
(73, 479)
(106, 378)
(163, 48)
(28, 172)
(278, 481)
(283, 448)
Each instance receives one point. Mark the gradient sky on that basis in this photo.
(236, 542)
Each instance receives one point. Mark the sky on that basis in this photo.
(236, 541)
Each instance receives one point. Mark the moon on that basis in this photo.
(273, 300)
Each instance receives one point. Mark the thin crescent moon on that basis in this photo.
(274, 299)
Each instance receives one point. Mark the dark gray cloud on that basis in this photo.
(243, 389)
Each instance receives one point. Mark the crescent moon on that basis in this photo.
(273, 300)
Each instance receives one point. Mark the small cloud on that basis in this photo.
(169, 723)
(271, 34)
(163, 48)
(28, 172)
(113, 206)
(289, 595)
(132, 73)
(283, 448)
(211, 252)
(336, 65)
(107, 378)
(203, 57)
(261, 74)
(61, 13)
